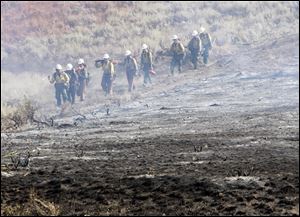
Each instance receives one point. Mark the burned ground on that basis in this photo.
(220, 140)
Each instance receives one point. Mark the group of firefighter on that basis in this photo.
(72, 82)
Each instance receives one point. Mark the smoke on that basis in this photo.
(37, 88)
(34, 86)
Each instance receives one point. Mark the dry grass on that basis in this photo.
(15, 116)
(36, 206)
(115, 26)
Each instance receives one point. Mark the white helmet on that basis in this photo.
(127, 53)
(69, 66)
(106, 56)
(80, 61)
(202, 29)
(194, 33)
(58, 67)
(175, 37)
(144, 46)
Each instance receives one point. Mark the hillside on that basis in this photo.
(219, 140)
(37, 35)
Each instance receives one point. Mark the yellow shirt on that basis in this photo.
(130, 63)
(108, 67)
(146, 57)
(177, 48)
(60, 78)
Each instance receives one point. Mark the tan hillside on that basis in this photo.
(36, 35)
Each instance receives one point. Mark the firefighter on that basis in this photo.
(177, 52)
(194, 47)
(206, 44)
(108, 75)
(61, 81)
(82, 74)
(131, 69)
(73, 83)
(146, 63)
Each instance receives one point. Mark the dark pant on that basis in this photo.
(81, 89)
(194, 58)
(72, 93)
(130, 75)
(106, 83)
(205, 54)
(176, 61)
(146, 69)
(88, 80)
(60, 92)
